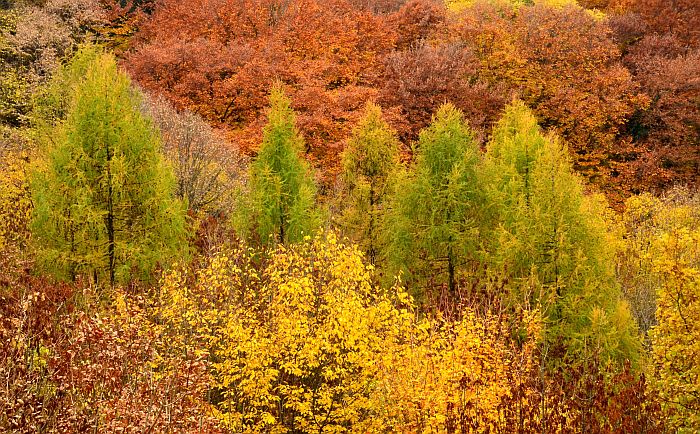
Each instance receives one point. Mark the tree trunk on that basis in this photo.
(110, 217)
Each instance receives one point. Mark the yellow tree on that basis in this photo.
(676, 339)
(300, 340)
(15, 200)
(294, 342)
(674, 255)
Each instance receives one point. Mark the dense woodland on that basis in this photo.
(329, 216)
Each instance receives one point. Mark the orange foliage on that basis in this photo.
(597, 80)
(219, 59)
(566, 66)
(661, 41)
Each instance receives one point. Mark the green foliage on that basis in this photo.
(53, 100)
(370, 162)
(433, 223)
(282, 189)
(103, 195)
(548, 247)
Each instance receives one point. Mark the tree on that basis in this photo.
(218, 58)
(566, 67)
(370, 162)
(422, 77)
(282, 190)
(416, 21)
(662, 49)
(295, 343)
(103, 196)
(548, 248)
(301, 340)
(15, 200)
(34, 37)
(209, 170)
(648, 218)
(433, 222)
(676, 339)
(659, 266)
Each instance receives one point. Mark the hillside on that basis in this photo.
(330, 216)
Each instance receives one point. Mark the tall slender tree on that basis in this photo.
(282, 189)
(548, 246)
(102, 193)
(370, 163)
(433, 224)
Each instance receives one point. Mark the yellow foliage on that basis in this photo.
(15, 201)
(458, 5)
(676, 338)
(442, 373)
(647, 219)
(293, 346)
(659, 267)
(308, 344)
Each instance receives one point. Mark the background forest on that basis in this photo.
(328, 216)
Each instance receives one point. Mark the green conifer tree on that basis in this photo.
(282, 190)
(370, 162)
(548, 246)
(103, 195)
(433, 225)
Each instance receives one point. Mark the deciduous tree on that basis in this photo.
(282, 189)
(676, 338)
(421, 78)
(370, 164)
(102, 193)
(209, 170)
(566, 67)
(219, 59)
(548, 247)
(433, 224)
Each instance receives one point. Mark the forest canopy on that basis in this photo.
(331, 216)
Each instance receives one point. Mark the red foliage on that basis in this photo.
(680, 18)
(588, 78)
(566, 66)
(65, 371)
(662, 49)
(416, 21)
(420, 79)
(377, 6)
(220, 57)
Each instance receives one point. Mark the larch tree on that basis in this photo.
(102, 193)
(370, 163)
(547, 247)
(282, 189)
(433, 225)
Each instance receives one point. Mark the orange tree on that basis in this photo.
(220, 58)
(566, 66)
